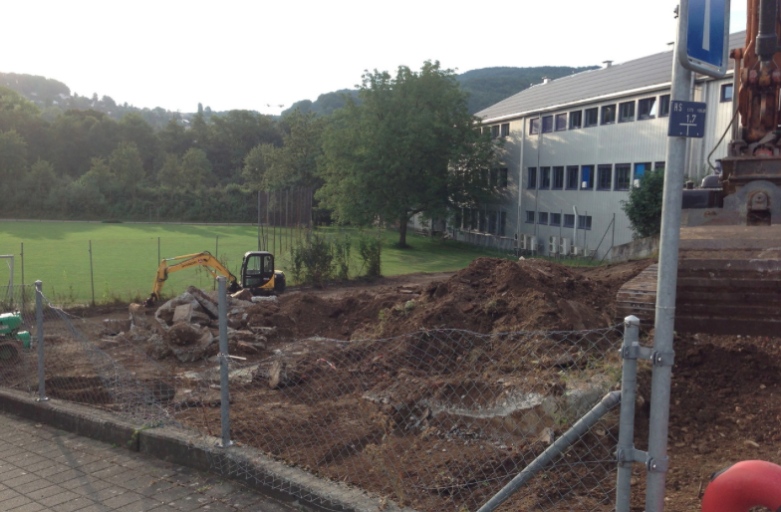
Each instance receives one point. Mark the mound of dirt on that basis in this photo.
(493, 295)
(490, 295)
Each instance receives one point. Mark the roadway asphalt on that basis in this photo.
(43, 468)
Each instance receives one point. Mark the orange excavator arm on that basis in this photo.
(204, 259)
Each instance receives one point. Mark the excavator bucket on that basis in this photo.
(729, 282)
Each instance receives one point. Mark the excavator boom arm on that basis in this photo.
(204, 259)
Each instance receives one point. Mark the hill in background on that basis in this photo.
(485, 86)
(488, 86)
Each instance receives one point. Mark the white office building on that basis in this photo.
(573, 148)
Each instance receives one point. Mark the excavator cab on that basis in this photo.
(258, 274)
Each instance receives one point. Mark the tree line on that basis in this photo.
(406, 144)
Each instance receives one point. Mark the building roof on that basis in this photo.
(648, 72)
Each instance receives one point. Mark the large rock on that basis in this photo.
(188, 342)
(165, 313)
(157, 348)
(244, 295)
(206, 302)
(183, 313)
(140, 316)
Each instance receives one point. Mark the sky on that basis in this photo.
(258, 55)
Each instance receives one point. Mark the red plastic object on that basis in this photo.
(747, 484)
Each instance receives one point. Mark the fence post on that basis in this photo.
(216, 253)
(626, 428)
(39, 321)
(224, 383)
(24, 298)
(91, 273)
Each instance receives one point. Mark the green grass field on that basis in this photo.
(125, 256)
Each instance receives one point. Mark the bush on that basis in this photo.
(342, 257)
(312, 260)
(644, 207)
(370, 249)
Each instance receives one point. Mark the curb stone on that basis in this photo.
(187, 448)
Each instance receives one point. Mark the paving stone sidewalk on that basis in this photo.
(43, 468)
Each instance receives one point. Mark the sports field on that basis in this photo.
(125, 256)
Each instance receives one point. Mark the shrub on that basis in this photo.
(644, 207)
(341, 248)
(370, 249)
(312, 260)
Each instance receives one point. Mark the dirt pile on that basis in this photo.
(490, 295)
(725, 407)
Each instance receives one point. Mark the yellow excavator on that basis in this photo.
(257, 273)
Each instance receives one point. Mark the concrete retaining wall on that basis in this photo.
(641, 248)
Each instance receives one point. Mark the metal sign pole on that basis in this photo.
(665, 299)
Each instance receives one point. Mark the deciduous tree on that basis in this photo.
(409, 147)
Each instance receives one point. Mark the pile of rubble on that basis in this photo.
(187, 326)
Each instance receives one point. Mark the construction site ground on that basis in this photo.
(725, 404)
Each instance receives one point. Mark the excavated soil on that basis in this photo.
(725, 404)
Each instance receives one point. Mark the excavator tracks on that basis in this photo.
(729, 282)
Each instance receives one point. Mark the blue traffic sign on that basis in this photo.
(687, 119)
(703, 36)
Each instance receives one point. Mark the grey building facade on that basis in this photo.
(573, 148)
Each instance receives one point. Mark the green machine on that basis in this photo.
(11, 337)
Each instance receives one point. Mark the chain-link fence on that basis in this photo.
(434, 420)
(79, 363)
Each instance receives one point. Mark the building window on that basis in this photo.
(572, 177)
(586, 177)
(558, 178)
(555, 219)
(502, 178)
(575, 119)
(531, 174)
(475, 220)
(726, 93)
(505, 130)
(604, 177)
(547, 124)
(543, 219)
(622, 176)
(626, 112)
(640, 170)
(664, 105)
(591, 117)
(646, 108)
(492, 222)
(493, 178)
(534, 126)
(483, 221)
(544, 178)
(659, 166)
(584, 221)
(561, 122)
(495, 131)
(608, 114)
(569, 220)
(529, 216)
(502, 223)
